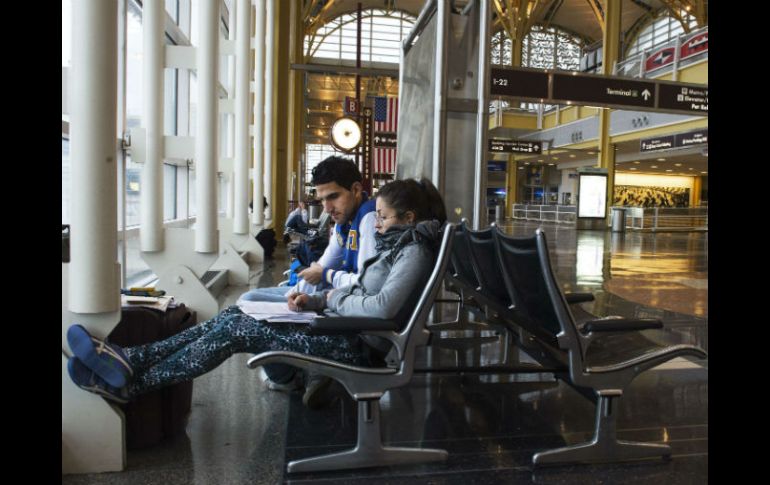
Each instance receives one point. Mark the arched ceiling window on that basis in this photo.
(549, 48)
(381, 35)
(659, 31)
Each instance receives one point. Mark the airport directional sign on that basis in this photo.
(519, 83)
(385, 139)
(562, 87)
(677, 140)
(515, 146)
(683, 97)
(593, 90)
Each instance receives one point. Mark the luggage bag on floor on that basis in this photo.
(161, 414)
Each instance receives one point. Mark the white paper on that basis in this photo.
(274, 312)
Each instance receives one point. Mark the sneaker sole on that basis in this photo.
(82, 346)
(71, 369)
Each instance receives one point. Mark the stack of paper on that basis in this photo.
(161, 303)
(274, 312)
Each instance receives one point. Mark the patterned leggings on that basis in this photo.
(203, 347)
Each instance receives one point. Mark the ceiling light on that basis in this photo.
(669, 170)
(678, 164)
(633, 168)
(654, 166)
(572, 155)
(637, 163)
(554, 158)
(551, 164)
(526, 163)
(521, 168)
(590, 153)
(690, 168)
(661, 159)
(704, 172)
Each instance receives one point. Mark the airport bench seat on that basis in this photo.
(368, 384)
(601, 356)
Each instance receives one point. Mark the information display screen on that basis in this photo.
(592, 195)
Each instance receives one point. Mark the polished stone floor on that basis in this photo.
(491, 425)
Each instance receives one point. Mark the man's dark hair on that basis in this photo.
(342, 171)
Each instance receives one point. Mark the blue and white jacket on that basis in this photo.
(350, 245)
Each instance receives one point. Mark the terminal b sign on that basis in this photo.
(515, 146)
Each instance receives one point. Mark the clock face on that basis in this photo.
(346, 134)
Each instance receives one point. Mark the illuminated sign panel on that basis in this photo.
(592, 195)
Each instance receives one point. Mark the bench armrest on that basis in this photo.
(620, 325)
(579, 297)
(337, 325)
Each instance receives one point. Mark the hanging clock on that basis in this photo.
(346, 134)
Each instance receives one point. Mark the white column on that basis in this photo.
(207, 57)
(482, 120)
(241, 175)
(257, 216)
(151, 196)
(231, 130)
(93, 142)
(269, 103)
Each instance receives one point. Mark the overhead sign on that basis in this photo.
(672, 96)
(515, 146)
(519, 83)
(351, 106)
(679, 140)
(385, 139)
(603, 90)
(557, 87)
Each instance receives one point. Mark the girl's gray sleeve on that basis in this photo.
(409, 269)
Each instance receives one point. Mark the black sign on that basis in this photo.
(679, 140)
(366, 144)
(593, 90)
(683, 97)
(515, 146)
(692, 138)
(496, 166)
(518, 83)
(385, 139)
(655, 144)
(603, 90)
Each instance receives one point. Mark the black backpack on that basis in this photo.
(266, 239)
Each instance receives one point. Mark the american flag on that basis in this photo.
(385, 119)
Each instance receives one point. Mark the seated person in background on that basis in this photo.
(409, 215)
(297, 219)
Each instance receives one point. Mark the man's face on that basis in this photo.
(339, 202)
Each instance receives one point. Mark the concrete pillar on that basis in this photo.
(257, 216)
(206, 153)
(151, 195)
(241, 172)
(610, 51)
(93, 143)
(269, 104)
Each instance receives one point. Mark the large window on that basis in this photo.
(547, 48)
(659, 31)
(315, 154)
(381, 35)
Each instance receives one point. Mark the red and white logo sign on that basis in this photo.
(695, 45)
(661, 57)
